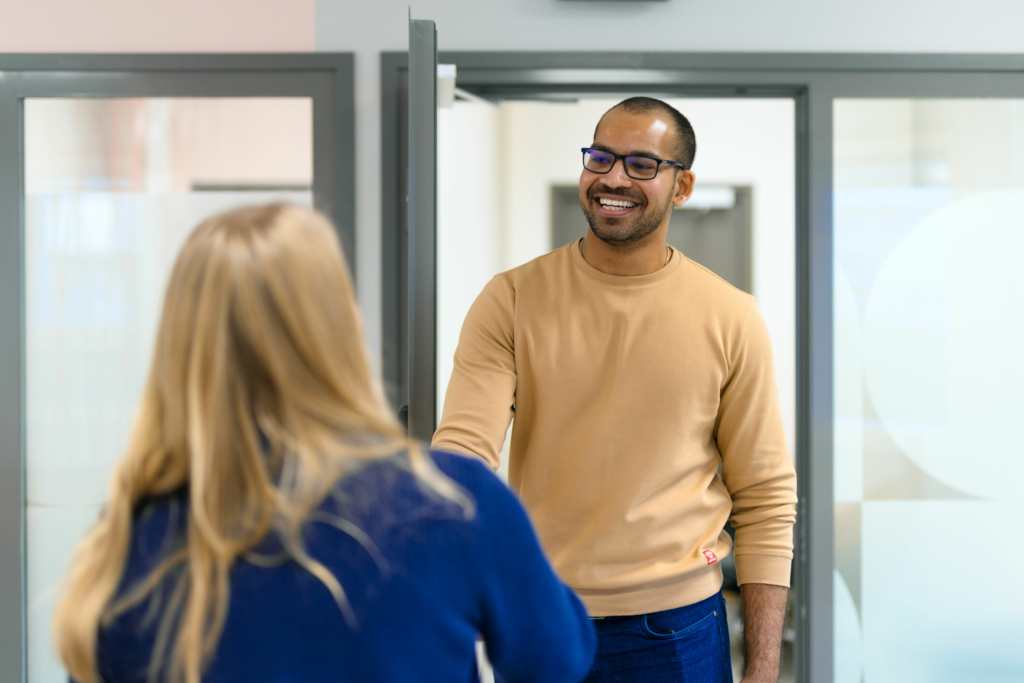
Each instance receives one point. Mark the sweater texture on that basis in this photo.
(646, 416)
(423, 583)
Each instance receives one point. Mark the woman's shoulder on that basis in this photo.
(450, 493)
(495, 505)
(490, 494)
(465, 469)
(382, 493)
(400, 474)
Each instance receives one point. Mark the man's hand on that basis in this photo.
(764, 611)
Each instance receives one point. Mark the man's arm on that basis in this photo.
(764, 613)
(761, 479)
(481, 392)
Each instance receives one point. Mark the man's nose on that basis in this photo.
(617, 177)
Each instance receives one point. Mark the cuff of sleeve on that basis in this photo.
(770, 569)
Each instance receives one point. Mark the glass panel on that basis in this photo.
(113, 186)
(929, 232)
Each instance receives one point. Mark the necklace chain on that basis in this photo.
(668, 252)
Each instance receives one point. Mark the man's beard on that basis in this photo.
(646, 220)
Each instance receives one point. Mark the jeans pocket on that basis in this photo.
(666, 626)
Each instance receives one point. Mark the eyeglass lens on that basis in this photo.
(641, 168)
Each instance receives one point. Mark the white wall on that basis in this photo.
(987, 26)
(469, 216)
(157, 26)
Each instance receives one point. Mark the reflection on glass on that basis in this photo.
(929, 229)
(112, 188)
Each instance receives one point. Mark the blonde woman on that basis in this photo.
(271, 522)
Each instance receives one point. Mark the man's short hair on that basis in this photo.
(686, 140)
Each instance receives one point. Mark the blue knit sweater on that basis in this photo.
(439, 580)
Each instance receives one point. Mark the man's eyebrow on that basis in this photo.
(635, 152)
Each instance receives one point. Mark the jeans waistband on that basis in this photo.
(705, 604)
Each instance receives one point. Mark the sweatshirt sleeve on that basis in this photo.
(534, 627)
(756, 466)
(481, 392)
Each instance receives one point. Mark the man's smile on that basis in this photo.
(614, 206)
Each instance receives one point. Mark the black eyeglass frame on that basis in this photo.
(625, 162)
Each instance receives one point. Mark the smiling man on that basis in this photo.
(646, 416)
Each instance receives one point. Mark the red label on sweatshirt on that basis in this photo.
(711, 557)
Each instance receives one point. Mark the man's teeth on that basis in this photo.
(617, 203)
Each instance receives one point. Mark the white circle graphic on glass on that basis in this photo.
(944, 344)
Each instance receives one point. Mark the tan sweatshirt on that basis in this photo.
(646, 415)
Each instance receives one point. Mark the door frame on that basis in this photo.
(327, 78)
(813, 81)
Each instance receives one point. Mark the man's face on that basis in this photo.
(622, 210)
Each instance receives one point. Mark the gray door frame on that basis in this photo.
(421, 354)
(813, 81)
(327, 78)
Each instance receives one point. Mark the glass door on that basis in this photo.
(908, 228)
(112, 189)
(928, 235)
(110, 171)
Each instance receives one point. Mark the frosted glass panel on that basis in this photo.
(112, 189)
(929, 233)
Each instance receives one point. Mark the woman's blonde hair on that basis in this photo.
(260, 335)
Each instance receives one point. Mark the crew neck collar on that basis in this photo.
(623, 280)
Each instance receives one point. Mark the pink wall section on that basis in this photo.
(157, 26)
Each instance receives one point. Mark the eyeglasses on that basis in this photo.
(637, 167)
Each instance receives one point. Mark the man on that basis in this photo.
(646, 416)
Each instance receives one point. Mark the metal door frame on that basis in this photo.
(420, 401)
(813, 81)
(327, 78)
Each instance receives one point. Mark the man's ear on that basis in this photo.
(685, 181)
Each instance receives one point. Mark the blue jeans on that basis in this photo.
(688, 644)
